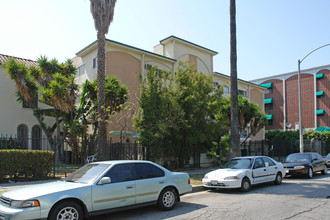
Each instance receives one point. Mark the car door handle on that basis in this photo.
(129, 187)
(275, 168)
(161, 182)
(264, 169)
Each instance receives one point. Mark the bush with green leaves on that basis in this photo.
(25, 163)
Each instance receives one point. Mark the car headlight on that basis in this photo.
(231, 178)
(24, 203)
(299, 167)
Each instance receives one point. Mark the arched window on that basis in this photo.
(22, 136)
(36, 137)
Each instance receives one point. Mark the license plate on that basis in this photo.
(214, 182)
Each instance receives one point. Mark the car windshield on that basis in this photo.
(240, 163)
(298, 157)
(87, 173)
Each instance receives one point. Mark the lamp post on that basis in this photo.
(301, 137)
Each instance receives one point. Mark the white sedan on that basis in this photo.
(242, 172)
(97, 188)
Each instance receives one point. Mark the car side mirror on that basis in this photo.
(104, 180)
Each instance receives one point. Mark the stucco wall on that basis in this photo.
(12, 112)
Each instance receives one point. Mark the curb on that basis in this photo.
(197, 188)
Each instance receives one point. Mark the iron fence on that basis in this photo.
(68, 158)
(280, 149)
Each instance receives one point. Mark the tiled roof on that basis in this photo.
(27, 62)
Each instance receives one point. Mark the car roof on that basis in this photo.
(248, 157)
(122, 161)
(306, 153)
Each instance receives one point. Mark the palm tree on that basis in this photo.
(102, 11)
(234, 149)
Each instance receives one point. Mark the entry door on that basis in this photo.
(120, 192)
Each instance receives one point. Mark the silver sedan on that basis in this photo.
(97, 188)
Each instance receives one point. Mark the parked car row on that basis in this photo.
(243, 172)
(104, 187)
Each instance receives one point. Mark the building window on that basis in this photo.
(32, 104)
(225, 89)
(36, 137)
(22, 136)
(268, 91)
(270, 122)
(95, 63)
(243, 93)
(147, 66)
(81, 70)
(269, 106)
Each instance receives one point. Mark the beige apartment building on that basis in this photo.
(127, 63)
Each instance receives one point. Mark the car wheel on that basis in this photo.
(167, 199)
(325, 171)
(310, 173)
(246, 184)
(278, 179)
(66, 210)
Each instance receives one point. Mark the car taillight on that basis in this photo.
(188, 180)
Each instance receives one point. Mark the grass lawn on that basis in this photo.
(196, 179)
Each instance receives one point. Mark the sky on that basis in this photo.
(271, 34)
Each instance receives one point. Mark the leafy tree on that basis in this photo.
(249, 114)
(278, 135)
(54, 83)
(102, 11)
(176, 115)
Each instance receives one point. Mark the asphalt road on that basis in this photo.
(295, 198)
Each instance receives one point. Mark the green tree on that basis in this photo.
(250, 115)
(176, 114)
(195, 96)
(54, 83)
(102, 11)
(234, 124)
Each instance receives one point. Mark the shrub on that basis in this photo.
(25, 163)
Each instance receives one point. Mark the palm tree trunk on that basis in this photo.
(234, 125)
(101, 93)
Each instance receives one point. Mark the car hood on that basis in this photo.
(290, 164)
(222, 173)
(41, 190)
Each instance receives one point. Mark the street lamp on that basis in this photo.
(301, 137)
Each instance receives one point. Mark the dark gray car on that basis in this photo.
(305, 164)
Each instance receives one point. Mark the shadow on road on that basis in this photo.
(150, 212)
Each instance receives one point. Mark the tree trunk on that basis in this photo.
(234, 125)
(101, 94)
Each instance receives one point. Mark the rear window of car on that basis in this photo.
(269, 161)
(146, 170)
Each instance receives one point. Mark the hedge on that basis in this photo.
(25, 163)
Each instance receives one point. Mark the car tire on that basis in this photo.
(278, 179)
(167, 199)
(325, 170)
(246, 185)
(310, 173)
(66, 210)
